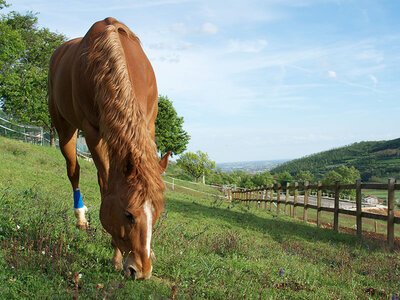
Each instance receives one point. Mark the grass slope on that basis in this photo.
(205, 247)
(376, 161)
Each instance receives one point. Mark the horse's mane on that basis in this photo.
(122, 124)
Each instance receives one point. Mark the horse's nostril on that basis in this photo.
(132, 272)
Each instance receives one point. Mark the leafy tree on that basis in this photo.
(196, 164)
(262, 179)
(331, 177)
(349, 175)
(25, 51)
(305, 176)
(3, 4)
(284, 178)
(170, 135)
(345, 174)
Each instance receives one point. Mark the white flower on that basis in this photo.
(43, 252)
(80, 275)
(18, 227)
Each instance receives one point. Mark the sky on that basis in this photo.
(261, 79)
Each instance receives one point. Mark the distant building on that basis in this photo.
(371, 199)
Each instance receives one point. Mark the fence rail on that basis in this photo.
(273, 194)
(34, 135)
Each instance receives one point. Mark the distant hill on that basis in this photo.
(376, 161)
(250, 166)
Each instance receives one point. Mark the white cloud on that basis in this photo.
(247, 46)
(332, 74)
(209, 28)
(179, 28)
(374, 79)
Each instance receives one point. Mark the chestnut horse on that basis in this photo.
(104, 85)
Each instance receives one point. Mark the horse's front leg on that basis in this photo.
(68, 148)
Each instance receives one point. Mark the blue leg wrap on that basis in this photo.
(78, 202)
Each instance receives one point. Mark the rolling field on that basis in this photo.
(206, 248)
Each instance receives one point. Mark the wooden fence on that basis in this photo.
(266, 195)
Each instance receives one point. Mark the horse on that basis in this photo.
(104, 85)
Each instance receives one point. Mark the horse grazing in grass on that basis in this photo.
(104, 85)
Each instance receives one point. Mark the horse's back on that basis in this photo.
(70, 87)
(60, 80)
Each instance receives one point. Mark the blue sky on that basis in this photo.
(261, 80)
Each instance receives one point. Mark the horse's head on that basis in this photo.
(131, 224)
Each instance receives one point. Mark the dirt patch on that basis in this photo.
(381, 211)
(378, 238)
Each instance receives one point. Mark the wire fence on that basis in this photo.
(34, 135)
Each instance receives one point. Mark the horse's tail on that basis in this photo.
(122, 124)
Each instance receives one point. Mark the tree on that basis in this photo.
(170, 135)
(3, 4)
(284, 178)
(196, 164)
(345, 175)
(262, 179)
(305, 176)
(25, 52)
(331, 177)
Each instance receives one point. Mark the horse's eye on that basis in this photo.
(130, 217)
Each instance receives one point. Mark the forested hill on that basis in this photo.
(376, 161)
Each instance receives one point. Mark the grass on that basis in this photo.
(206, 248)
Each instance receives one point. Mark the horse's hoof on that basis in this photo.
(82, 225)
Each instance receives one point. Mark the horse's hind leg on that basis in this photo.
(68, 138)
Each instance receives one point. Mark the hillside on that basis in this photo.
(251, 167)
(376, 161)
(205, 248)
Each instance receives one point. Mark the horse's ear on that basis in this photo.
(164, 161)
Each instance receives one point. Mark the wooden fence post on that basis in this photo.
(296, 193)
(390, 220)
(287, 196)
(319, 198)
(306, 184)
(358, 208)
(271, 195)
(336, 208)
(265, 197)
(278, 199)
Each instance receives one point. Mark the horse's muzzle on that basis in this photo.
(132, 273)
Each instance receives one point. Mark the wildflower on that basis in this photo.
(99, 286)
(76, 277)
(280, 272)
(18, 227)
(43, 252)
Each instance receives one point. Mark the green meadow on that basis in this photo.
(205, 247)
